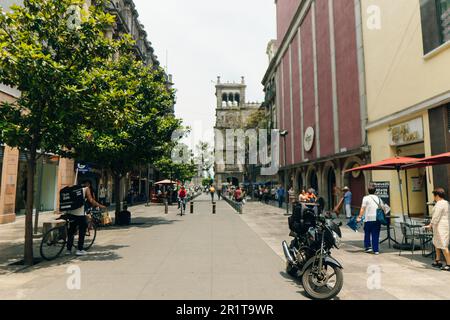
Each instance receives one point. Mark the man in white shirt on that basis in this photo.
(372, 228)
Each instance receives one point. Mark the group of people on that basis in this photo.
(439, 225)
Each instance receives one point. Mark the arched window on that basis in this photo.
(225, 97)
(237, 98)
(230, 97)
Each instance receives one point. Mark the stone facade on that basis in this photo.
(232, 112)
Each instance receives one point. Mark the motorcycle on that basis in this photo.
(309, 253)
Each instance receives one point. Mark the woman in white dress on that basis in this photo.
(440, 226)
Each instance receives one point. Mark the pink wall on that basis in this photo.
(286, 10)
(287, 110)
(324, 79)
(297, 135)
(309, 118)
(347, 74)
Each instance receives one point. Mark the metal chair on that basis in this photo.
(409, 232)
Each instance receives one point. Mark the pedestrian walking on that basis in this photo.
(440, 226)
(212, 190)
(280, 196)
(238, 195)
(372, 227)
(348, 202)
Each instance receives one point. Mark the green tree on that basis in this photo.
(205, 157)
(134, 121)
(45, 51)
(180, 170)
(257, 120)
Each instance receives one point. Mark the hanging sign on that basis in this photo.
(409, 132)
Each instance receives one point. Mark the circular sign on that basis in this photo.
(308, 140)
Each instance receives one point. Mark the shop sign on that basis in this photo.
(383, 191)
(407, 133)
(308, 140)
(417, 184)
(83, 168)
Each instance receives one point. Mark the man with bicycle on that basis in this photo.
(182, 195)
(78, 218)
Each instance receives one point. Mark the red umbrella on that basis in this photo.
(396, 163)
(436, 160)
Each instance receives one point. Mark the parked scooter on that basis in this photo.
(309, 253)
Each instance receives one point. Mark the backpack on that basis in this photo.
(71, 198)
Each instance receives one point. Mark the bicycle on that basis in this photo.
(54, 241)
(182, 203)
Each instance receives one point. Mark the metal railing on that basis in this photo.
(237, 206)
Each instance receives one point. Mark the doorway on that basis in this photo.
(331, 187)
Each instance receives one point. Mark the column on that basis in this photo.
(8, 185)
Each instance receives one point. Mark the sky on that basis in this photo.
(199, 40)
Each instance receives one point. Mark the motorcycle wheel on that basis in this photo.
(291, 270)
(319, 290)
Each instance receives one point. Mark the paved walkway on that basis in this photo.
(199, 256)
(206, 256)
(400, 276)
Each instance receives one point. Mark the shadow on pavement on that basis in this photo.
(14, 253)
(141, 222)
(98, 253)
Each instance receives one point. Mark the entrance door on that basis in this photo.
(357, 186)
(314, 182)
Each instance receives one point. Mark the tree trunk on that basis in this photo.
(31, 169)
(117, 195)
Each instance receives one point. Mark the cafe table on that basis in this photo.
(389, 238)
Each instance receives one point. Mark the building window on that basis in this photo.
(435, 23)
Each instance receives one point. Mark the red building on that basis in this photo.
(315, 89)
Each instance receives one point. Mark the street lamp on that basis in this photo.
(284, 134)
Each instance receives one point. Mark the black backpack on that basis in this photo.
(71, 198)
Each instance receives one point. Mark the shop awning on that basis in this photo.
(435, 160)
(166, 182)
(396, 163)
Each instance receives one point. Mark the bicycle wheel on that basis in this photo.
(53, 243)
(91, 234)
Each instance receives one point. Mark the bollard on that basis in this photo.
(166, 206)
(192, 207)
(214, 208)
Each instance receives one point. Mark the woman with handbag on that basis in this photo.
(372, 211)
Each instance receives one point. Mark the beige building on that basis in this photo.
(407, 63)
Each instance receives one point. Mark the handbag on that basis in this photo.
(354, 224)
(381, 215)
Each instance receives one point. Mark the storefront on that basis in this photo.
(405, 138)
(440, 135)
(45, 183)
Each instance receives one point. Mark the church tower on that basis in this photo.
(232, 112)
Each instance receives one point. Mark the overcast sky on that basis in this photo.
(207, 38)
